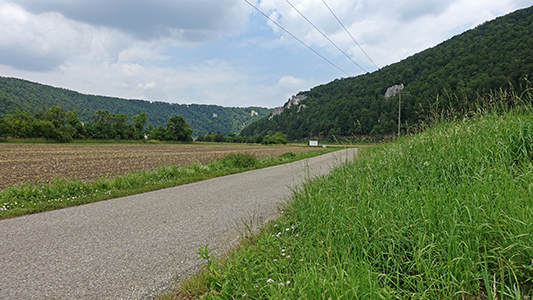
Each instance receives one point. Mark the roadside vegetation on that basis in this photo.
(444, 214)
(27, 198)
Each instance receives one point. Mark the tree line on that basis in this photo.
(65, 126)
(268, 139)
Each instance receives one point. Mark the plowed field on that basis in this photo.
(38, 163)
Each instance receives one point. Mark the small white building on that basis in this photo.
(313, 143)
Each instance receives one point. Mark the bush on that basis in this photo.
(287, 155)
(242, 160)
(276, 138)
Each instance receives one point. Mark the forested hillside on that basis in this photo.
(36, 98)
(495, 55)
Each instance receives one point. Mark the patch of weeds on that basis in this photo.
(240, 160)
(287, 155)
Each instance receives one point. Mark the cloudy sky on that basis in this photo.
(221, 52)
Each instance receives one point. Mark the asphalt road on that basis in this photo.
(133, 247)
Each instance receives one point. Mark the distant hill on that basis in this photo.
(34, 97)
(495, 55)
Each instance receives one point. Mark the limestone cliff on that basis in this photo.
(294, 101)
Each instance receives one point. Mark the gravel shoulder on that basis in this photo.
(133, 247)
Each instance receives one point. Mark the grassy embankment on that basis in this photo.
(22, 199)
(446, 214)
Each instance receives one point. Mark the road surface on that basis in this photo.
(133, 247)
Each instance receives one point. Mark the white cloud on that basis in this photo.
(192, 20)
(204, 51)
(31, 43)
(148, 86)
(388, 30)
(130, 69)
(45, 41)
(287, 86)
(290, 81)
(42, 35)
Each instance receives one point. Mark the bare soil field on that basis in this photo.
(43, 162)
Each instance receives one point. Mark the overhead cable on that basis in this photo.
(288, 32)
(349, 34)
(325, 36)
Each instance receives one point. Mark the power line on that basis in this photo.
(350, 34)
(324, 35)
(296, 38)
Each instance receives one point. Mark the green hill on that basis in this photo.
(33, 97)
(495, 55)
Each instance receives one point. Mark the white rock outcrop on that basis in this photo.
(294, 101)
(393, 90)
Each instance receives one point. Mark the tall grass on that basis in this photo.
(30, 198)
(446, 214)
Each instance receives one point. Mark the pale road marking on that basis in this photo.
(133, 247)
